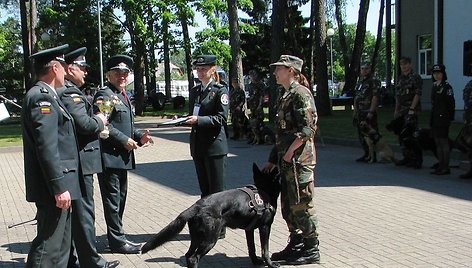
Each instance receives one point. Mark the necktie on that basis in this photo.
(125, 96)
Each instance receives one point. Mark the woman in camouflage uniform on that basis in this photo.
(296, 157)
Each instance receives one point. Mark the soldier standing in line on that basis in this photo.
(255, 105)
(51, 161)
(118, 152)
(442, 113)
(365, 105)
(465, 136)
(408, 96)
(237, 107)
(88, 126)
(295, 156)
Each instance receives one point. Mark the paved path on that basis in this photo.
(371, 215)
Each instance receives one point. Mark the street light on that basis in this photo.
(330, 33)
(100, 43)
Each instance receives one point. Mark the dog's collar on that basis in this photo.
(256, 203)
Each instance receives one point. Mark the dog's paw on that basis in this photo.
(257, 260)
(273, 265)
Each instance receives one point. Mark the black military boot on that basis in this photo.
(295, 244)
(310, 253)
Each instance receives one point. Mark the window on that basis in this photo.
(425, 55)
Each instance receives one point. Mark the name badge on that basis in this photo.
(196, 109)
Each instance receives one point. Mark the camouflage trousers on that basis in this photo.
(297, 193)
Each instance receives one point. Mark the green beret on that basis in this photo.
(205, 60)
(43, 57)
(120, 62)
(77, 57)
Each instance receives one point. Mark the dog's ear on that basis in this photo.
(255, 169)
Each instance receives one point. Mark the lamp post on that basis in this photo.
(330, 33)
(100, 43)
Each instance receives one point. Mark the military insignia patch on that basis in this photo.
(44, 107)
(75, 98)
(224, 99)
(45, 110)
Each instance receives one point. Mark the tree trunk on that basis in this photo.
(151, 62)
(165, 39)
(25, 33)
(353, 71)
(323, 104)
(279, 8)
(236, 68)
(311, 59)
(378, 41)
(187, 46)
(342, 36)
(140, 50)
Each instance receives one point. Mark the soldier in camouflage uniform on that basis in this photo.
(255, 104)
(237, 107)
(365, 105)
(407, 99)
(296, 157)
(465, 136)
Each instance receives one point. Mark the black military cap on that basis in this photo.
(120, 62)
(205, 60)
(43, 57)
(439, 68)
(77, 57)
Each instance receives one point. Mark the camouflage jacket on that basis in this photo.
(296, 117)
(407, 87)
(366, 89)
(237, 99)
(467, 97)
(256, 97)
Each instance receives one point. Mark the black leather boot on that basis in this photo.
(310, 253)
(295, 245)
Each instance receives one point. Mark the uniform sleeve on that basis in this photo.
(45, 113)
(418, 84)
(305, 115)
(376, 88)
(218, 119)
(451, 101)
(75, 103)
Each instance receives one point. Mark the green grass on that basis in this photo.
(338, 125)
(10, 133)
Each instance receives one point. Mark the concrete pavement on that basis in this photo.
(370, 215)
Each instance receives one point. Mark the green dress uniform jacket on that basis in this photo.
(208, 137)
(49, 146)
(121, 126)
(87, 125)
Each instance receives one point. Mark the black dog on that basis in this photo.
(245, 208)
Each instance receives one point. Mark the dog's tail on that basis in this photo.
(170, 231)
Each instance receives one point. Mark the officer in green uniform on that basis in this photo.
(51, 160)
(237, 107)
(295, 155)
(442, 113)
(88, 127)
(118, 151)
(408, 96)
(365, 105)
(465, 136)
(208, 106)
